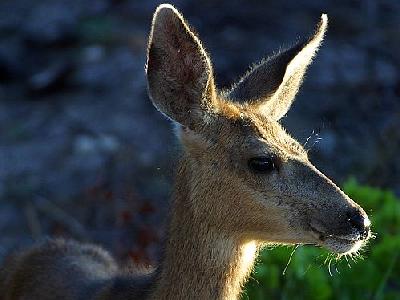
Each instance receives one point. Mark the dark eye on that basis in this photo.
(263, 164)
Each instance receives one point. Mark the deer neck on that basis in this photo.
(200, 262)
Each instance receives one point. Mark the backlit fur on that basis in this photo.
(222, 211)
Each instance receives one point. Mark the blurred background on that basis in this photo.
(84, 154)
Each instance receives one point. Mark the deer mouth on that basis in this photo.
(338, 243)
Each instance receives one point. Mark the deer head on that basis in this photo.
(248, 177)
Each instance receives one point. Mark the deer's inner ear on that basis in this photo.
(179, 71)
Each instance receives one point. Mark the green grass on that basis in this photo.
(312, 273)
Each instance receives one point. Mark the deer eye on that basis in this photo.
(263, 164)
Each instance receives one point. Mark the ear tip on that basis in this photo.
(323, 23)
(166, 11)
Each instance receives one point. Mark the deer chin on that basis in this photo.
(340, 244)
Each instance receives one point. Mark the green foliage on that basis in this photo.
(313, 273)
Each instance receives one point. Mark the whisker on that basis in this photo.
(305, 143)
(314, 140)
(347, 260)
(329, 267)
(290, 258)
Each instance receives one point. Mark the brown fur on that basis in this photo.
(222, 211)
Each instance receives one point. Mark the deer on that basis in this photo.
(242, 182)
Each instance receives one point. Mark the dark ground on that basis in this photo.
(84, 154)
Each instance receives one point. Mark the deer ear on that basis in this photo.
(179, 72)
(272, 85)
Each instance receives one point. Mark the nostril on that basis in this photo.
(359, 222)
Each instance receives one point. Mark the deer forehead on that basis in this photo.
(242, 134)
(281, 143)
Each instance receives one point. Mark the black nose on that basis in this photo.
(359, 221)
